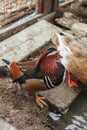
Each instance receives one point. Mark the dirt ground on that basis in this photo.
(18, 107)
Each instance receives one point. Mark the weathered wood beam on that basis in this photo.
(18, 26)
(22, 24)
(2, 17)
(46, 6)
(55, 4)
(66, 3)
(38, 6)
(15, 16)
(48, 17)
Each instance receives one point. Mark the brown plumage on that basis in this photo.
(41, 74)
(74, 55)
(47, 65)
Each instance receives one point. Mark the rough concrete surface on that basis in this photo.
(6, 126)
(62, 96)
(25, 42)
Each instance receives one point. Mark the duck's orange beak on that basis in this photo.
(59, 56)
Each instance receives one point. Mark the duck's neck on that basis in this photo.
(39, 61)
(64, 51)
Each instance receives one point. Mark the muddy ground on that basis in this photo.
(17, 106)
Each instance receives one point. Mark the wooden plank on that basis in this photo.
(18, 26)
(48, 17)
(38, 6)
(56, 5)
(15, 16)
(46, 6)
(66, 3)
(12, 13)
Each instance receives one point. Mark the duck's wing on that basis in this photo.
(55, 71)
(74, 55)
(27, 65)
(77, 48)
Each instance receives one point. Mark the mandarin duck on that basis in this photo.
(43, 73)
(74, 55)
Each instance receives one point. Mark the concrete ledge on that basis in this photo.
(25, 42)
(62, 96)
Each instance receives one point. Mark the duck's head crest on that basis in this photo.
(57, 38)
(51, 50)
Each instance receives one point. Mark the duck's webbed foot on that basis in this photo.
(71, 82)
(41, 101)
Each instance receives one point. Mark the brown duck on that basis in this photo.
(74, 55)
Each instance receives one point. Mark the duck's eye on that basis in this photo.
(56, 53)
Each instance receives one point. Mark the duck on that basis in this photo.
(74, 55)
(41, 74)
